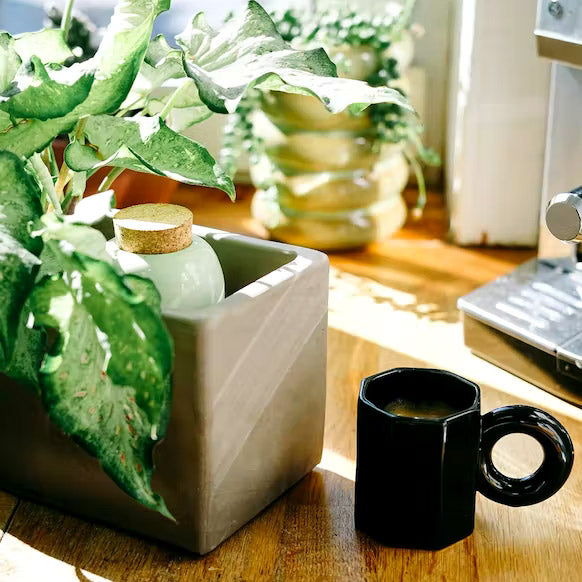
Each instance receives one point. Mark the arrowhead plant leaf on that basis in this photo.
(84, 239)
(249, 52)
(166, 59)
(161, 63)
(19, 209)
(186, 111)
(117, 64)
(40, 93)
(121, 53)
(91, 341)
(146, 144)
(29, 350)
(29, 136)
(5, 121)
(48, 45)
(105, 381)
(9, 61)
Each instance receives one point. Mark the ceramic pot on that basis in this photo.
(247, 410)
(321, 182)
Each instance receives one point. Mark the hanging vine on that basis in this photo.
(331, 28)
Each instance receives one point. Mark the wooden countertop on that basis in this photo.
(392, 304)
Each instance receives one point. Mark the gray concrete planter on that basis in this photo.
(247, 414)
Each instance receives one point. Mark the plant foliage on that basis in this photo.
(104, 376)
(333, 28)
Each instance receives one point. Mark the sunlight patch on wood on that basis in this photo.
(20, 562)
(338, 464)
(391, 319)
(8, 505)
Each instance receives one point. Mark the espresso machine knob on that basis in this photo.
(564, 215)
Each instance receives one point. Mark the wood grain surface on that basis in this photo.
(393, 304)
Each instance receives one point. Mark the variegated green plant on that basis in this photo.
(104, 376)
(339, 28)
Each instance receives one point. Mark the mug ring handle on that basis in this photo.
(551, 474)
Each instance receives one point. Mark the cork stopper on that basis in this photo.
(153, 229)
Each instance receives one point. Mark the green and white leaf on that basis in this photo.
(180, 118)
(40, 93)
(117, 63)
(30, 136)
(186, 107)
(19, 209)
(121, 52)
(146, 144)
(106, 380)
(93, 209)
(9, 61)
(249, 52)
(161, 63)
(164, 58)
(145, 289)
(5, 121)
(196, 40)
(29, 350)
(153, 88)
(80, 237)
(48, 45)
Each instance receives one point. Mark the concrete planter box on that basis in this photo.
(247, 414)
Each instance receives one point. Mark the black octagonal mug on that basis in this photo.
(424, 450)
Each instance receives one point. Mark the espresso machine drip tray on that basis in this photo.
(529, 322)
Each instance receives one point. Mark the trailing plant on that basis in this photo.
(339, 28)
(345, 26)
(88, 339)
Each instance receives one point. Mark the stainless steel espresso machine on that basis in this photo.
(529, 322)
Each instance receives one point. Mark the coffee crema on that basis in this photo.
(420, 408)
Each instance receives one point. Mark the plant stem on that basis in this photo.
(46, 181)
(421, 200)
(74, 192)
(170, 102)
(66, 19)
(77, 181)
(78, 133)
(122, 112)
(54, 168)
(64, 176)
(109, 179)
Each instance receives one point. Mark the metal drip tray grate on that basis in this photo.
(530, 323)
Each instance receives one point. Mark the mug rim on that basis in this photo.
(365, 383)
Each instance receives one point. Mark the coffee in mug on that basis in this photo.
(424, 450)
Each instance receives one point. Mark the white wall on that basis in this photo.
(499, 100)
